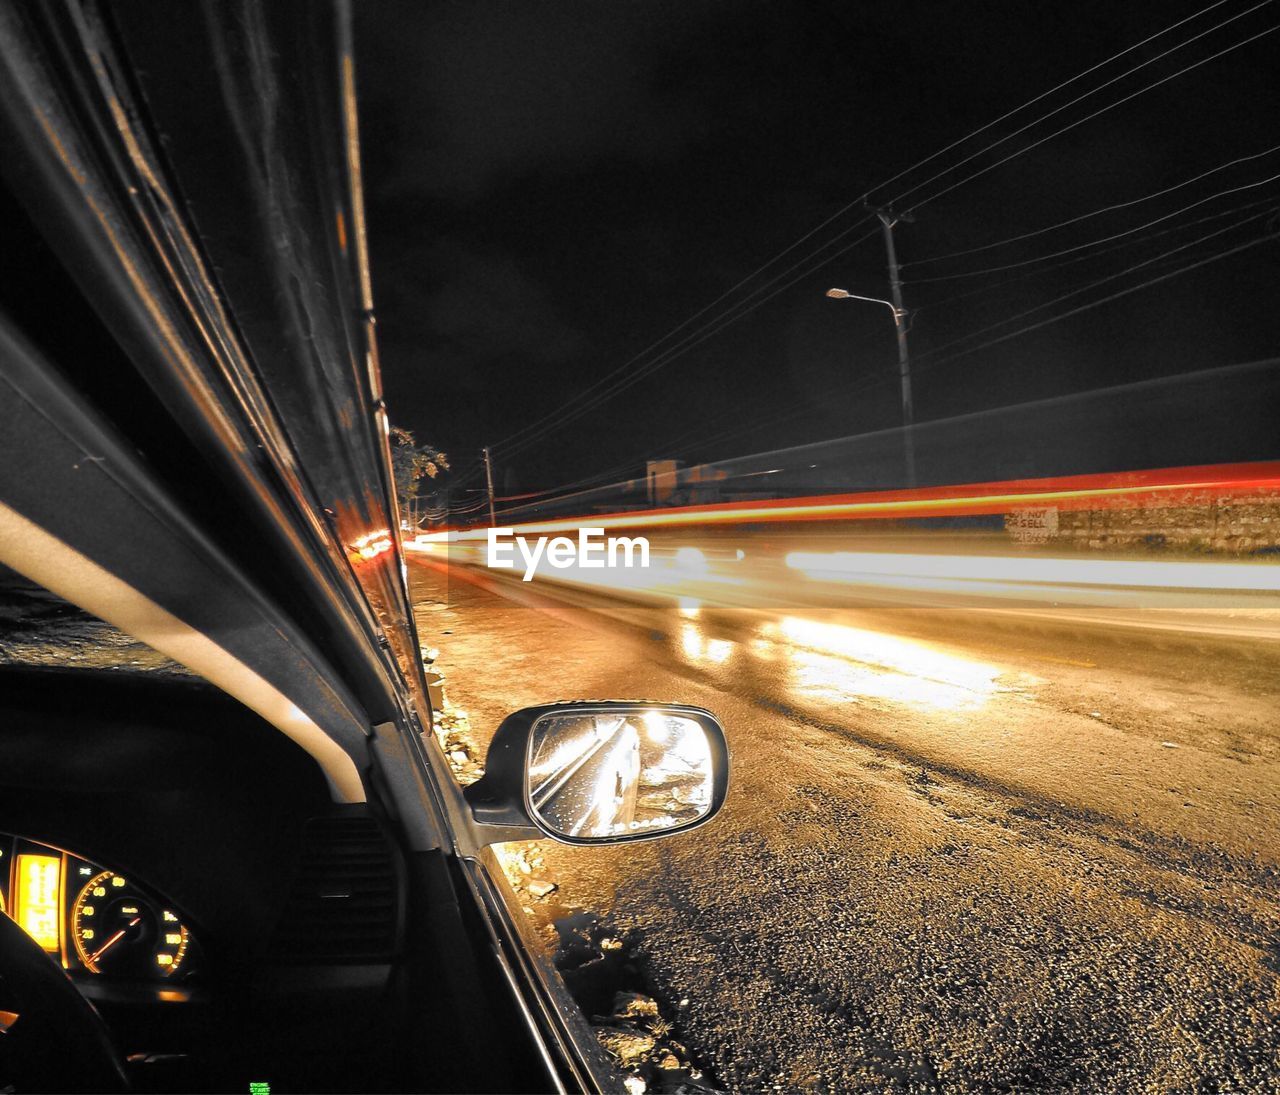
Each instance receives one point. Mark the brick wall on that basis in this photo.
(1229, 525)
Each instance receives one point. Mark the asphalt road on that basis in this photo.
(964, 850)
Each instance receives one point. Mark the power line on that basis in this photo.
(1100, 239)
(931, 305)
(880, 375)
(672, 352)
(566, 491)
(673, 446)
(525, 430)
(590, 482)
(872, 379)
(774, 417)
(609, 386)
(687, 344)
(1104, 300)
(1093, 284)
(1110, 106)
(728, 318)
(691, 341)
(1043, 95)
(1092, 213)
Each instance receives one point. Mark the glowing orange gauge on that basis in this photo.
(117, 930)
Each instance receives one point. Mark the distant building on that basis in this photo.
(662, 479)
(671, 483)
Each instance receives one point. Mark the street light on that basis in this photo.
(844, 294)
(904, 372)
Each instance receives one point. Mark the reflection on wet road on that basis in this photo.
(834, 662)
(965, 849)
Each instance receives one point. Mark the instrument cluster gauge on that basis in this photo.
(120, 931)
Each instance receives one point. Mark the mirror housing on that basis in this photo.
(600, 772)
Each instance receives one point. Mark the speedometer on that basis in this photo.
(120, 931)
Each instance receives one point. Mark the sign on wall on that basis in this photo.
(1032, 524)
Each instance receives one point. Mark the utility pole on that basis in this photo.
(888, 220)
(488, 475)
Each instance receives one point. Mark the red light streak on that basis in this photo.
(1153, 489)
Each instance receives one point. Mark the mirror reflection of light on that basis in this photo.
(656, 727)
(613, 798)
(595, 775)
(835, 661)
(691, 746)
(682, 771)
(568, 750)
(371, 544)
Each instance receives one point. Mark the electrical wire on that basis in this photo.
(792, 410)
(1092, 213)
(1097, 303)
(688, 344)
(1092, 285)
(1103, 110)
(933, 304)
(690, 340)
(1039, 98)
(601, 479)
(566, 491)
(877, 377)
(603, 389)
(1099, 240)
(523, 431)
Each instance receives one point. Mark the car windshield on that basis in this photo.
(39, 628)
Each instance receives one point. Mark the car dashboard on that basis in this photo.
(229, 922)
(96, 922)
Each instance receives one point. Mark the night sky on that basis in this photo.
(552, 187)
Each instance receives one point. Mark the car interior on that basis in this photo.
(234, 913)
(186, 866)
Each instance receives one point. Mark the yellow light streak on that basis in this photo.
(690, 561)
(992, 503)
(882, 567)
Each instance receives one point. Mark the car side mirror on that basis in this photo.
(601, 773)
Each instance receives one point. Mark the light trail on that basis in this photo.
(717, 574)
(880, 567)
(1164, 487)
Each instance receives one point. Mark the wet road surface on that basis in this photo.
(962, 851)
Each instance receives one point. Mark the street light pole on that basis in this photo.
(488, 476)
(887, 221)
